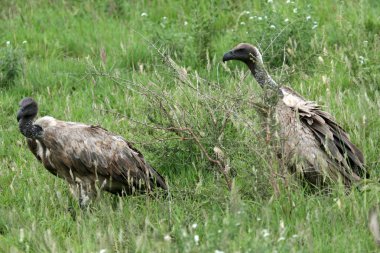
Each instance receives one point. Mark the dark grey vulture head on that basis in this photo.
(28, 109)
(251, 56)
(244, 52)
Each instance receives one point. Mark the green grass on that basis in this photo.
(57, 47)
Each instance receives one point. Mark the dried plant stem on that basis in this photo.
(268, 140)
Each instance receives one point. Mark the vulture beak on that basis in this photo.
(18, 115)
(228, 56)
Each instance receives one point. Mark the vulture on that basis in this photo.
(88, 157)
(313, 145)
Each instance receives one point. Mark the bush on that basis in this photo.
(10, 65)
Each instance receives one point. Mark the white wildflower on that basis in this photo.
(270, 1)
(308, 17)
(266, 17)
(295, 236)
(218, 251)
(185, 23)
(247, 12)
(144, 14)
(103, 251)
(164, 18)
(8, 43)
(194, 226)
(295, 10)
(219, 231)
(272, 27)
(242, 23)
(24, 42)
(251, 17)
(258, 219)
(22, 235)
(288, 1)
(167, 238)
(265, 233)
(286, 20)
(281, 239)
(260, 18)
(196, 239)
(314, 26)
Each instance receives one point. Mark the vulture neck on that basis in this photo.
(261, 75)
(28, 129)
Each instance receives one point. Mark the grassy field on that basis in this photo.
(109, 63)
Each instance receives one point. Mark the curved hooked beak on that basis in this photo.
(19, 115)
(228, 56)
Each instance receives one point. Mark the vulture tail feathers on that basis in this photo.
(156, 179)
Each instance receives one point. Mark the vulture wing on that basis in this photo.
(93, 152)
(330, 135)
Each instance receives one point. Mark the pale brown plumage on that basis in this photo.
(87, 157)
(313, 144)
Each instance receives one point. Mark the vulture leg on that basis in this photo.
(84, 193)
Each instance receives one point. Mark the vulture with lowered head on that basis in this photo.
(313, 144)
(88, 157)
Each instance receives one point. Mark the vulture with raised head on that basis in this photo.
(313, 144)
(88, 157)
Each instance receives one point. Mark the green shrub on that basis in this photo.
(10, 65)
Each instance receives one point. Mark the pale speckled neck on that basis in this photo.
(261, 75)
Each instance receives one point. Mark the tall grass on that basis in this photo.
(10, 65)
(92, 61)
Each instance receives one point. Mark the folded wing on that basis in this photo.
(328, 133)
(91, 151)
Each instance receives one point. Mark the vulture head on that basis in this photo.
(246, 53)
(28, 109)
(251, 56)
